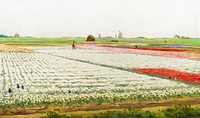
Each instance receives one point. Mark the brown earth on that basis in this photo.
(94, 108)
(7, 48)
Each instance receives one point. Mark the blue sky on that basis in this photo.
(57, 18)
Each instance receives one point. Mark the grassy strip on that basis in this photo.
(68, 41)
(178, 111)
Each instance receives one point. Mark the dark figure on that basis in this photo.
(22, 87)
(69, 91)
(9, 90)
(18, 86)
(136, 46)
(73, 45)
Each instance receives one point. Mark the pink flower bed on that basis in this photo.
(161, 49)
(169, 54)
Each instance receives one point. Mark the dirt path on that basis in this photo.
(94, 108)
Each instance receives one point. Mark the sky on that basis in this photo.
(77, 18)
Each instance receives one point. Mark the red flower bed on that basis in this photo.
(171, 74)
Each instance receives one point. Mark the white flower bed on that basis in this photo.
(124, 59)
(50, 78)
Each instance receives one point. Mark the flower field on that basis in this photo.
(61, 76)
(124, 60)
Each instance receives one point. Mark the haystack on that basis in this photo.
(114, 40)
(90, 38)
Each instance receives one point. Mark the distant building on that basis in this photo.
(108, 37)
(16, 35)
(120, 34)
(99, 35)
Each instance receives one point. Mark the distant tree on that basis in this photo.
(183, 37)
(177, 36)
(187, 37)
(28, 37)
(141, 37)
(3, 36)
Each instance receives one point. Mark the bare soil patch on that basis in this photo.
(7, 48)
(94, 108)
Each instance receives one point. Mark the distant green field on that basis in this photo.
(68, 41)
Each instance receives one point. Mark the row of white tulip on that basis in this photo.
(125, 60)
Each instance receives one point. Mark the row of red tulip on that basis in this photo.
(171, 74)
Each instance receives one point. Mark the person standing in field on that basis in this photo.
(73, 45)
